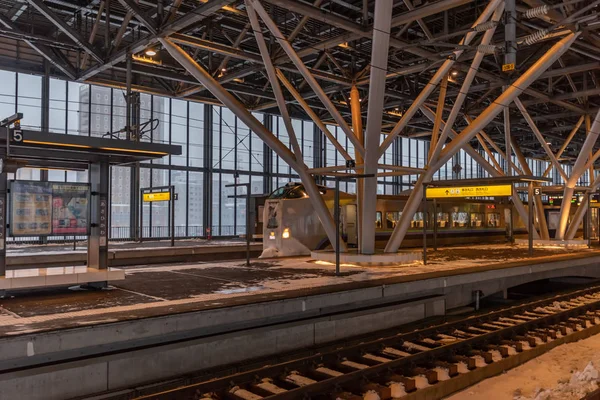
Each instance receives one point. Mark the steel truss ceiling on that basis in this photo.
(90, 41)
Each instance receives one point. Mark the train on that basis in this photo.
(290, 226)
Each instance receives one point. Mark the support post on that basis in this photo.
(530, 214)
(172, 216)
(99, 207)
(358, 131)
(424, 207)
(379, 61)
(248, 233)
(435, 222)
(3, 220)
(336, 212)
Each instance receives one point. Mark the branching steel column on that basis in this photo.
(432, 84)
(565, 144)
(470, 131)
(307, 75)
(272, 75)
(358, 131)
(437, 122)
(578, 170)
(468, 148)
(379, 61)
(309, 111)
(540, 138)
(580, 213)
(468, 80)
(84, 58)
(539, 207)
(493, 144)
(257, 127)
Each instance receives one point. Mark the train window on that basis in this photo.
(378, 220)
(460, 219)
(391, 219)
(417, 221)
(442, 219)
(493, 220)
(296, 193)
(477, 220)
(279, 193)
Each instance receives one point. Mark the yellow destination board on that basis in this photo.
(157, 196)
(469, 191)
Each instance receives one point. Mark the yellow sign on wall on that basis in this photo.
(157, 196)
(469, 191)
(508, 67)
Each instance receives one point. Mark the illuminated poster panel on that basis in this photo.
(49, 208)
(31, 208)
(70, 209)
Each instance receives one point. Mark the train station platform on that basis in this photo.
(166, 289)
(179, 318)
(129, 253)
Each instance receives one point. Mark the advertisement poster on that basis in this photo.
(31, 208)
(70, 209)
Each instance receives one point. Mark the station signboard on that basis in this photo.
(157, 196)
(47, 208)
(468, 191)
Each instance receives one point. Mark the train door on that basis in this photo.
(594, 223)
(349, 224)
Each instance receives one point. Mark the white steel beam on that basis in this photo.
(379, 60)
(272, 75)
(357, 127)
(432, 84)
(257, 127)
(272, 26)
(540, 138)
(578, 170)
(464, 90)
(470, 131)
(565, 143)
(309, 111)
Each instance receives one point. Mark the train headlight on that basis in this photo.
(286, 233)
(272, 235)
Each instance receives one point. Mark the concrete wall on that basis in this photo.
(82, 378)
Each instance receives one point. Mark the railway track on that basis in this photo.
(423, 364)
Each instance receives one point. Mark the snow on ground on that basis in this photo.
(567, 372)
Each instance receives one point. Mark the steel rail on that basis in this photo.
(332, 356)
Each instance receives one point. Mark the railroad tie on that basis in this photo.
(395, 352)
(243, 394)
(299, 380)
(268, 387)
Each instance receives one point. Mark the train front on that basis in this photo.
(290, 227)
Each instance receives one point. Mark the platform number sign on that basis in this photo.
(508, 67)
(537, 191)
(17, 135)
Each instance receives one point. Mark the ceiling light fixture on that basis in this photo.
(150, 52)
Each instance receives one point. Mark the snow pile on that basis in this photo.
(397, 389)
(580, 384)
(269, 252)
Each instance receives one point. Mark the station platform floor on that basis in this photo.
(156, 290)
(81, 246)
